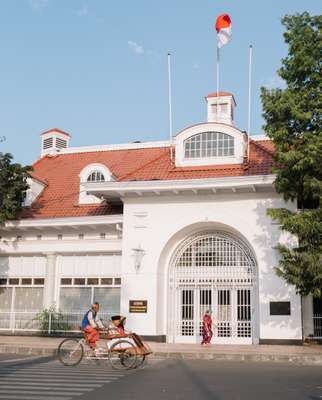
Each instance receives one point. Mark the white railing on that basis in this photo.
(46, 321)
(317, 325)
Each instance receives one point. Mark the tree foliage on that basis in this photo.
(293, 120)
(13, 186)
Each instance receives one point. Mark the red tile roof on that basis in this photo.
(220, 94)
(56, 130)
(61, 174)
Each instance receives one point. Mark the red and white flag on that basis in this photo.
(223, 28)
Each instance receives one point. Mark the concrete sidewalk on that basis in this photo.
(306, 354)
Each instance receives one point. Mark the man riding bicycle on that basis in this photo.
(91, 325)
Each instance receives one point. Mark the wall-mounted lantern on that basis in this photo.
(138, 254)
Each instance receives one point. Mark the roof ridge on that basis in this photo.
(143, 166)
(38, 178)
(38, 161)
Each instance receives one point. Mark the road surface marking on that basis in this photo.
(19, 359)
(53, 381)
(52, 393)
(33, 387)
(9, 378)
(24, 397)
(67, 385)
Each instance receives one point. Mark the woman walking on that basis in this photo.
(206, 328)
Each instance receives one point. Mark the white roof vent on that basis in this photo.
(221, 107)
(53, 141)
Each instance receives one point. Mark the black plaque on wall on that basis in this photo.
(138, 306)
(280, 308)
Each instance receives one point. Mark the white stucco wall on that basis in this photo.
(53, 259)
(35, 188)
(22, 266)
(158, 224)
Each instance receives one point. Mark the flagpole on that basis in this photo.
(170, 106)
(217, 70)
(250, 62)
(217, 73)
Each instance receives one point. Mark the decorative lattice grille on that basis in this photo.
(214, 258)
(213, 271)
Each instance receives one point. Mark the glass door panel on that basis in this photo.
(187, 312)
(244, 313)
(205, 304)
(224, 313)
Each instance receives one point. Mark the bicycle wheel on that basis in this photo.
(140, 358)
(70, 352)
(122, 355)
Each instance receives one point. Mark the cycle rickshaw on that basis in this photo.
(122, 351)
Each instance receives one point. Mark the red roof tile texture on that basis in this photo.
(55, 130)
(220, 94)
(61, 175)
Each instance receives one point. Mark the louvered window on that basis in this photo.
(61, 143)
(48, 143)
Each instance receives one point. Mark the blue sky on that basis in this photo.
(98, 68)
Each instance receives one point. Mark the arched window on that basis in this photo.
(209, 144)
(96, 176)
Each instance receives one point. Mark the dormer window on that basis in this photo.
(96, 176)
(93, 173)
(209, 144)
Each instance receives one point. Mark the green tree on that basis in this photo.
(293, 120)
(13, 186)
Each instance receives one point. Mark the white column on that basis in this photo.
(308, 327)
(50, 280)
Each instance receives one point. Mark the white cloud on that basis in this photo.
(274, 82)
(82, 12)
(137, 48)
(37, 4)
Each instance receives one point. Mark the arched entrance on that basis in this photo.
(215, 271)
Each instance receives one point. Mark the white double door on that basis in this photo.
(231, 309)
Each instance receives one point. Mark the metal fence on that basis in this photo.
(317, 326)
(47, 321)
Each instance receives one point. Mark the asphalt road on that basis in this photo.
(25, 378)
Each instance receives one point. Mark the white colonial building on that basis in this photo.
(158, 231)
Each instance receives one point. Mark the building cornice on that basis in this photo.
(64, 222)
(112, 190)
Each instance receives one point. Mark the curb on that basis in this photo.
(34, 351)
(295, 359)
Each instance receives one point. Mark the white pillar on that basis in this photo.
(308, 327)
(50, 280)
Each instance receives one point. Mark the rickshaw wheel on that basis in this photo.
(70, 352)
(140, 358)
(123, 355)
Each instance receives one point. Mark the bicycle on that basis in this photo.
(122, 353)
